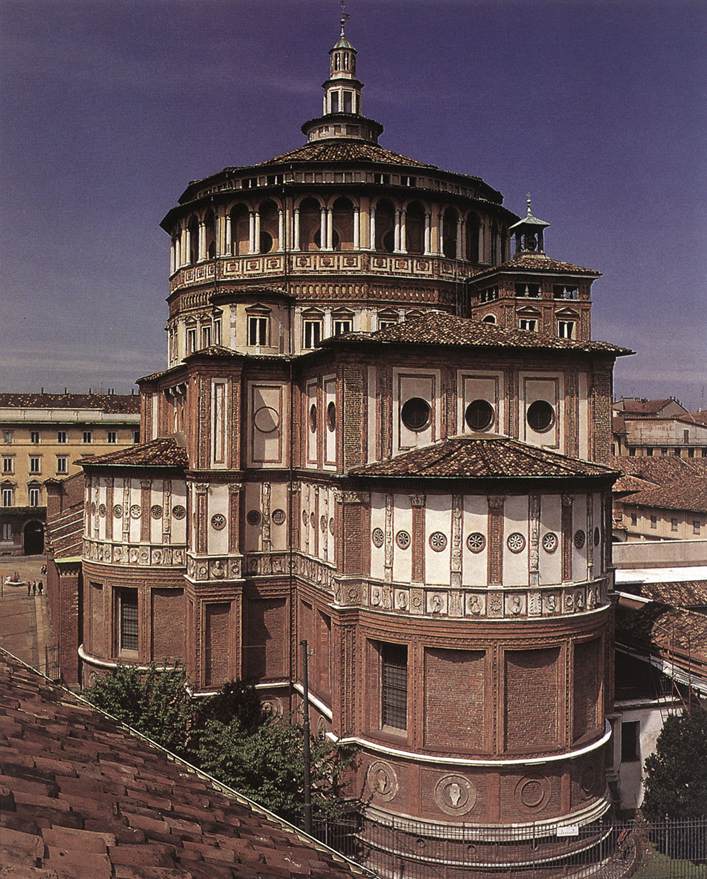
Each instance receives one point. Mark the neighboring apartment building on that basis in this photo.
(658, 428)
(42, 437)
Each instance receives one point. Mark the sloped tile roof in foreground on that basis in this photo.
(483, 457)
(82, 797)
(162, 452)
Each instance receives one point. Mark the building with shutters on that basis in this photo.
(383, 429)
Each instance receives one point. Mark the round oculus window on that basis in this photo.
(479, 415)
(313, 417)
(253, 517)
(579, 539)
(266, 419)
(415, 413)
(331, 417)
(540, 416)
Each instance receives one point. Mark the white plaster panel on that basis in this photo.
(267, 423)
(599, 522)
(377, 521)
(371, 414)
(179, 498)
(102, 495)
(278, 501)
(551, 522)
(402, 521)
(438, 517)
(475, 564)
(583, 426)
(549, 387)
(252, 502)
(631, 773)
(487, 386)
(156, 499)
(515, 565)
(329, 435)
(415, 383)
(155, 415)
(310, 397)
(218, 503)
(118, 485)
(579, 523)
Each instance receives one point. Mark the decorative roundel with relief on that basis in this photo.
(597, 536)
(178, 511)
(305, 518)
(101, 509)
(278, 516)
(579, 539)
(253, 517)
(118, 511)
(135, 511)
(402, 538)
(331, 527)
(476, 542)
(218, 521)
(156, 511)
(516, 542)
(322, 524)
(550, 541)
(378, 537)
(438, 541)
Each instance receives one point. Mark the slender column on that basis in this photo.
(460, 238)
(436, 232)
(296, 236)
(534, 539)
(417, 502)
(228, 244)
(567, 502)
(256, 242)
(251, 232)
(201, 249)
(403, 231)
(428, 233)
(280, 230)
(481, 243)
(330, 229)
(172, 257)
(356, 229)
(187, 246)
(396, 237)
(372, 243)
(322, 229)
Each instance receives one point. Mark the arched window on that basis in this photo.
(415, 227)
(449, 233)
(309, 224)
(489, 319)
(472, 238)
(343, 221)
(193, 227)
(385, 226)
(210, 221)
(269, 227)
(240, 230)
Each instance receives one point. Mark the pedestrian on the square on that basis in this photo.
(34, 587)
(40, 586)
(29, 588)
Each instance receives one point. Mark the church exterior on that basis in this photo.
(382, 428)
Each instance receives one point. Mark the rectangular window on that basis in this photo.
(61, 436)
(528, 291)
(634, 518)
(206, 337)
(35, 464)
(406, 180)
(654, 521)
(191, 341)
(127, 602)
(347, 102)
(531, 325)
(673, 524)
(257, 330)
(663, 451)
(34, 437)
(566, 329)
(704, 453)
(34, 497)
(136, 436)
(565, 291)
(62, 464)
(696, 526)
(690, 453)
(394, 685)
(334, 102)
(383, 178)
(649, 452)
(488, 295)
(630, 742)
(312, 333)
(344, 325)
(87, 436)
(112, 436)
(6, 531)
(384, 323)
(8, 495)
(676, 453)
(686, 436)
(7, 436)
(631, 452)
(217, 331)
(8, 464)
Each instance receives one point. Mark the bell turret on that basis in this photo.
(529, 232)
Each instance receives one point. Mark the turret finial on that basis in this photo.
(529, 201)
(344, 18)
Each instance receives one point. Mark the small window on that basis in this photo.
(488, 295)
(62, 464)
(313, 417)
(685, 436)
(8, 496)
(631, 452)
(6, 531)
(479, 415)
(217, 331)
(342, 325)
(191, 340)
(566, 329)
(565, 291)
(704, 453)
(34, 437)
(206, 337)
(87, 436)
(312, 333)
(383, 178)
(654, 521)
(61, 437)
(112, 436)
(258, 330)
(690, 453)
(347, 102)
(334, 102)
(407, 180)
(127, 601)
(8, 464)
(34, 496)
(528, 291)
(696, 526)
(35, 464)
(673, 524)
(394, 686)
(415, 414)
(385, 322)
(529, 324)
(676, 453)
(331, 417)
(136, 436)
(540, 416)
(649, 451)
(630, 742)
(489, 319)
(7, 436)
(634, 518)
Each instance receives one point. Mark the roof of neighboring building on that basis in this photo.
(483, 457)
(634, 679)
(682, 593)
(439, 328)
(114, 403)
(657, 469)
(536, 262)
(630, 484)
(83, 796)
(618, 425)
(700, 417)
(162, 452)
(688, 493)
(634, 406)
(661, 628)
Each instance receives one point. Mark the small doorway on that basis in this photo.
(34, 538)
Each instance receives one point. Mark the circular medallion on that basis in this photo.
(322, 524)
(101, 509)
(402, 538)
(382, 780)
(597, 536)
(178, 511)
(378, 537)
(135, 511)
(272, 707)
(305, 518)
(253, 517)
(266, 419)
(516, 542)
(331, 527)
(455, 795)
(579, 539)
(550, 541)
(476, 542)
(218, 521)
(278, 517)
(438, 541)
(313, 417)
(156, 511)
(533, 792)
(331, 417)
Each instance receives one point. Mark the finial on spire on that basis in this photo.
(344, 18)
(528, 201)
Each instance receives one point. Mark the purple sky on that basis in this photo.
(108, 109)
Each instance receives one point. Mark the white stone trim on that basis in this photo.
(107, 663)
(318, 704)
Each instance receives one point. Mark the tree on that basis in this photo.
(676, 774)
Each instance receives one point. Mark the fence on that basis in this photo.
(670, 849)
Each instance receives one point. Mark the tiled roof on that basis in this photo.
(630, 484)
(658, 469)
(685, 593)
(660, 628)
(163, 452)
(346, 151)
(112, 403)
(687, 494)
(482, 457)
(700, 417)
(644, 407)
(438, 328)
(84, 798)
(536, 262)
(618, 425)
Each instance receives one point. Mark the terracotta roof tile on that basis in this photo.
(644, 407)
(483, 457)
(688, 494)
(439, 328)
(162, 452)
(685, 593)
(110, 403)
(346, 151)
(660, 628)
(659, 469)
(536, 262)
(162, 822)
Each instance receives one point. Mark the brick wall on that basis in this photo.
(587, 687)
(167, 625)
(216, 647)
(265, 628)
(531, 699)
(454, 700)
